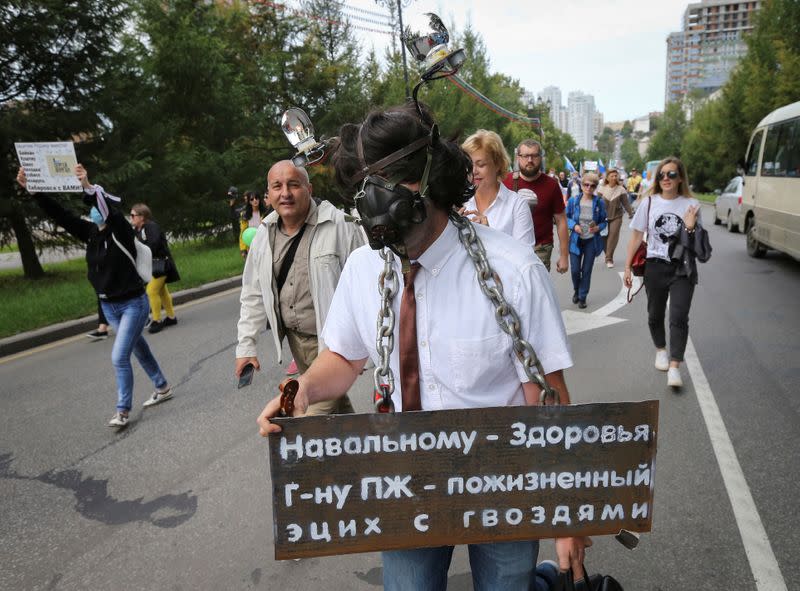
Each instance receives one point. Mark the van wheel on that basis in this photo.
(730, 225)
(717, 221)
(754, 248)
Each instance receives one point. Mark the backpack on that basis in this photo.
(143, 261)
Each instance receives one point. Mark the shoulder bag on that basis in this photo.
(143, 261)
(567, 582)
(640, 256)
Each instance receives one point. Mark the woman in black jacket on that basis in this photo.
(110, 248)
(164, 269)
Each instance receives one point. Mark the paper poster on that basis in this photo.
(590, 165)
(49, 166)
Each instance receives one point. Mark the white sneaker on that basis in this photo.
(609, 264)
(118, 421)
(674, 378)
(662, 360)
(158, 396)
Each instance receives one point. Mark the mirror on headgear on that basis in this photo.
(426, 38)
(299, 130)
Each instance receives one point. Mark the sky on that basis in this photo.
(615, 51)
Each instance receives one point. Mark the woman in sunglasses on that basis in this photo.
(670, 216)
(586, 217)
(255, 210)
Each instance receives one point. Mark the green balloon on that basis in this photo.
(248, 235)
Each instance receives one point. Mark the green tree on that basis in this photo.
(668, 139)
(606, 143)
(629, 152)
(56, 62)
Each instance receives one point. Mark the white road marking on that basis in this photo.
(576, 322)
(618, 302)
(763, 563)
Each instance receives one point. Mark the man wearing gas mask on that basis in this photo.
(448, 349)
(290, 275)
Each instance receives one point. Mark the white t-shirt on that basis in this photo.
(509, 213)
(666, 221)
(466, 360)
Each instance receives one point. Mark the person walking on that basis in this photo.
(290, 274)
(164, 268)
(676, 239)
(110, 250)
(615, 198)
(546, 203)
(586, 217)
(254, 212)
(101, 333)
(451, 353)
(493, 204)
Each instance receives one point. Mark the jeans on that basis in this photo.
(661, 283)
(502, 566)
(128, 318)
(581, 267)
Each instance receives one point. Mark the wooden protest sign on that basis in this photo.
(370, 482)
(49, 166)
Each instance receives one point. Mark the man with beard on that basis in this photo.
(546, 201)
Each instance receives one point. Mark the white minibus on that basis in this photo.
(771, 196)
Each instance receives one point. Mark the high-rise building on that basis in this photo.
(597, 123)
(580, 118)
(552, 96)
(702, 55)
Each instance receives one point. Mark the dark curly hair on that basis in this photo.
(384, 132)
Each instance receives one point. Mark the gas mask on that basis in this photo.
(388, 209)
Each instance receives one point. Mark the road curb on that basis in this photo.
(54, 332)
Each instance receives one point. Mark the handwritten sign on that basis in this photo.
(49, 166)
(590, 165)
(364, 483)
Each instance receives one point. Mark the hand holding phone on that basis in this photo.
(246, 376)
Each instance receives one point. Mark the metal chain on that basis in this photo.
(506, 316)
(383, 376)
(489, 282)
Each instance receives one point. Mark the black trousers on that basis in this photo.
(661, 283)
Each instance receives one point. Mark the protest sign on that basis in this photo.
(49, 166)
(371, 482)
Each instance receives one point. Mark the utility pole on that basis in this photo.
(400, 3)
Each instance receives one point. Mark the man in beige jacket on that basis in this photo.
(291, 273)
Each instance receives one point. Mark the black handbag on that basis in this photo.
(567, 582)
(161, 266)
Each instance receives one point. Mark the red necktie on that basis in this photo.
(409, 356)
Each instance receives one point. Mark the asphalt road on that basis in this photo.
(181, 499)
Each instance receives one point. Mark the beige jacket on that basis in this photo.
(616, 200)
(333, 241)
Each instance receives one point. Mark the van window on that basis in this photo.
(751, 163)
(768, 162)
(793, 148)
(732, 187)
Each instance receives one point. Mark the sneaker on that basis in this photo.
(158, 396)
(170, 321)
(156, 326)
(674, 378)
(610, 264)
(662, 360)
(118, 421)
(292, 369)
(581, 303)
(97, 335)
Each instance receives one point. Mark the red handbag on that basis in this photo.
(640, 257)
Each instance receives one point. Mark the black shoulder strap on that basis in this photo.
(283, 273)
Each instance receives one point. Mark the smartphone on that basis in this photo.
(246, 377)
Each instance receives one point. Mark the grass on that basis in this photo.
(65, 293)
(9, 248)
(706, 197)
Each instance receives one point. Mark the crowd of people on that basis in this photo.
(306, 258)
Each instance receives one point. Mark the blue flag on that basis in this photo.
(601, 167)
(569, 165)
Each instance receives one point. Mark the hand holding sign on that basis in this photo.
(49, 166)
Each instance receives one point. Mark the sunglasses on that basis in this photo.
(672, 175)
(135, 215)
(590, 185)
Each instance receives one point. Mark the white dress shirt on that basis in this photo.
(509, 213)
(466, 360)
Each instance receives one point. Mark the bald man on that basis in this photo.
(291, 272)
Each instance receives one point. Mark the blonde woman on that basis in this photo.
(675, 240)
(494, 204)
(586, 218)
(616, 199)
(150, 233)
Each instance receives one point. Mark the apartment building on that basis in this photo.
(702, 55)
